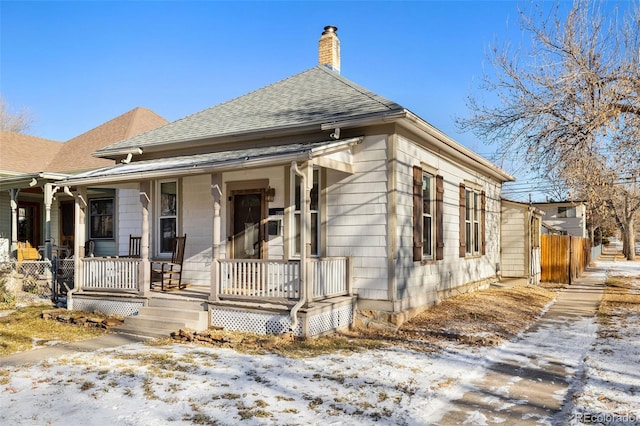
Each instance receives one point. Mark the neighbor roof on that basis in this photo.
(21, 153)
(76, 154)
(315, 96)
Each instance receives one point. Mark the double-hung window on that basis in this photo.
(472, 221)
(168, 215)
(427, 215)
(428, 206)
(101, 211)
(315, 215)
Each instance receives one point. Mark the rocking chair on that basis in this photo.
(167, 276)
(134, 246)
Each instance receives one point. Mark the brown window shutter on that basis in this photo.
(463, 235)
(417, 213)
(483, 206)
(439, 217)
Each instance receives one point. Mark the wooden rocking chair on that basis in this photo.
(167, 276)
(134, 246)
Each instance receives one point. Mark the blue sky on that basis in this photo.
(78, 64)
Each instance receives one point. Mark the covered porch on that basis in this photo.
(259, 263)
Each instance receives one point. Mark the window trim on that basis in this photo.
(436, 193)
(160, 216)
(472, 221)
(297, 212)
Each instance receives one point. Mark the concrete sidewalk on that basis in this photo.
(89, 345)
(529, 379)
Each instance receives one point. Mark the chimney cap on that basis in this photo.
(329, 29)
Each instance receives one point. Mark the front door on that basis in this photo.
(248, 219)
(66, 224)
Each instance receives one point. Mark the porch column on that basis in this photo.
(144, 272)
(80, 235)
(49, 192)
(216, 193)
(13, 193)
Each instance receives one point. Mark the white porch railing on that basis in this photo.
(249, 278)
(330, 277)
(259, 278)
(110, 274)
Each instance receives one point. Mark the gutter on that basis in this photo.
(303, 249)
(185, 170)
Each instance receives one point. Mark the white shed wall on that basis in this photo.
(514, 242)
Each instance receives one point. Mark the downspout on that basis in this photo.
(303, 251)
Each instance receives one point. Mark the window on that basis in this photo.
(101, 221)
(168, 215)
(315, 215)
(566, 212)
(428, 233)
(427, 216)
(472, 221)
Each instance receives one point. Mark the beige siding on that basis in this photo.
(129, 215)
(356, 222)
(418, 283)
(197, 223)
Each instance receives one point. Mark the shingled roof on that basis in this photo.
(76, 154)
(21, 153)
(315, 96)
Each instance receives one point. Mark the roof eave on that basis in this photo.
(209, 139)
(26, 180)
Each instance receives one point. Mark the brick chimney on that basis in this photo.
(329, 48)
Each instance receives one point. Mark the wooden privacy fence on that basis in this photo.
(564, 257)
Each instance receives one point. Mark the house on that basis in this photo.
(31, 208)
(307, 204)
(565, 217)
(520, 234)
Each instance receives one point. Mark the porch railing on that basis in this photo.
(259, 278)
(110, 274)
(249, 278)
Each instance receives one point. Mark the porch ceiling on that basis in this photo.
(214, 162)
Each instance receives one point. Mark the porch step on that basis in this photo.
(161, 321)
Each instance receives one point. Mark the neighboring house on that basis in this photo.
(564, 217)
(295, 198)
(31, 208)
(520, 231)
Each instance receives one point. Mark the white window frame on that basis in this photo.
(428, 233)
(472, 222)
(297, 212)
(160, 216)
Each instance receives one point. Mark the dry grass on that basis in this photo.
(485, 317)
(25, 329)
(482, 318)
(621, 297)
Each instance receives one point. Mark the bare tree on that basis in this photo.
(12, 120)
(570, 104)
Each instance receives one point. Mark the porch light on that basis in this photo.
(271, 194)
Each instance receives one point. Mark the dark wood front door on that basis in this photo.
(66, 224)
(248, 220)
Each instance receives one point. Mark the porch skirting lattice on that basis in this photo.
(117, 307)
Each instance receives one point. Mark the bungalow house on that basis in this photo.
(305, 204)
(565, 217)
(520, 235)
(32, 209)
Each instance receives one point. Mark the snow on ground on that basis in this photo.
(609, 392)
(183, 384)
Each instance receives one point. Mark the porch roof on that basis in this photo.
(210, 162)
(29, 180)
